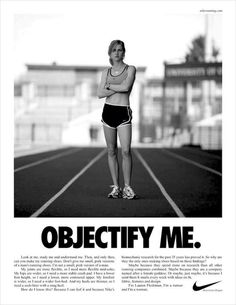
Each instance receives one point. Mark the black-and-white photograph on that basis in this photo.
(117, 152)
(119, 119)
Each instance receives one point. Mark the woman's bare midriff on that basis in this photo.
(118, 99)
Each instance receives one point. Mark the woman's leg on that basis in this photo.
(125, 134)
(111, 140)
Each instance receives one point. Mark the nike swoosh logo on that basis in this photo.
(197, 288)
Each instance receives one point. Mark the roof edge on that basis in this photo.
(57, 67)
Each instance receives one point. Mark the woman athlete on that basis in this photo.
(116, 85)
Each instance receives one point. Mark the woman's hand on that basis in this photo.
(107, 86)
(103, 90)
(127, 84)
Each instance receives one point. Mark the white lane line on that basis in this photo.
(161, 187)
(29, 151)
(200, 152)
(65, 187)
(192, 162)
(65, 153)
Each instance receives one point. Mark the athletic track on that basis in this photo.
(74, 182)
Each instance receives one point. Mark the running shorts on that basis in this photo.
(116, 116)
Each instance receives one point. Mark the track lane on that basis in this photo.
(38, 184)
(47, 159)
(87, 197)
(198, 193)
(67, 185)
(159, 185)
(25, 160)
(190, 161)
(209, 153)
(200, 157)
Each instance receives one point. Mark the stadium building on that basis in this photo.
(185, 106)
(58, 104)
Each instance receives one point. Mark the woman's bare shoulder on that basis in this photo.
(132, 68)
(105, 70)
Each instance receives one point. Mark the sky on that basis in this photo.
(80, 35)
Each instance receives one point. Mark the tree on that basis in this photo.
(196, 50)
(215, 52)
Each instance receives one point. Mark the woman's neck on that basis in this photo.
(118, 65)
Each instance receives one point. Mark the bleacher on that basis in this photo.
(44, 122)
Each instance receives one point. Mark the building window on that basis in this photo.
(196, 84)
(17, 90)
(157, 99)
(55, 91)
(94, 89)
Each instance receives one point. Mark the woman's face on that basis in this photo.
(117, 53)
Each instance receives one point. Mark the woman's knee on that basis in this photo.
(126, 152)
(112, 151)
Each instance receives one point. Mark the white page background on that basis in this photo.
(22, 236)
